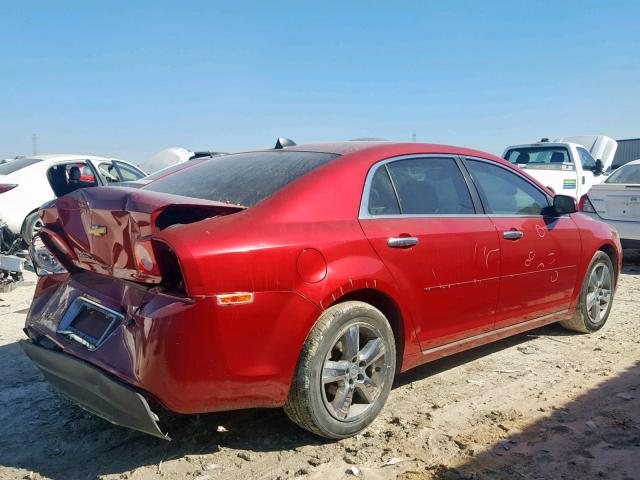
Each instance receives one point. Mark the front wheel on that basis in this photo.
(596, 296)
(32, 225)
(344, 373)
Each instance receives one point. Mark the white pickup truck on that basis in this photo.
(566, 165)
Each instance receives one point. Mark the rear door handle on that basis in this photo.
(512, 234)
(402, 242)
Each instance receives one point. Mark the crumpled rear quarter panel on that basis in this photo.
(192, 356)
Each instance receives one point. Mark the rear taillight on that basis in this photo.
(43, 259)
(157, 263)
(5, 187)
(585, 205)
(145, 258)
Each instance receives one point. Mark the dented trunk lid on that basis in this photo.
(101, 225)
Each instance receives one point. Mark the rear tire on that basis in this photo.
(344, 373)
(596, 296)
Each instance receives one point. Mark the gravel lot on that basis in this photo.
(543, 405)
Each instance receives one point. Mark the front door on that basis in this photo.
(540, 252)
(420, 217)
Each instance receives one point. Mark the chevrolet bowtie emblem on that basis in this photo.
(98, 230)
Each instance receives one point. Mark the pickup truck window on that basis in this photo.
(588, 163)
(542, 158)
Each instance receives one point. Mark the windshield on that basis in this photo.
(629, 174)
(541, 158)
(15, 165)
(241, 179)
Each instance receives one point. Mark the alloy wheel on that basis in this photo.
(354, 372)
(599, 292)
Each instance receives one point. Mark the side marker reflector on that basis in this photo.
(234, 298)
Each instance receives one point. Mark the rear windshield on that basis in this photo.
(629, 174)
(15, 165)
(243, 178)
(541, 158)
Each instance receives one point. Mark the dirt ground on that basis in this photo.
(547, 404)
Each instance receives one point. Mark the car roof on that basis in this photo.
(544, 144)
(67, 157)
(388, 147)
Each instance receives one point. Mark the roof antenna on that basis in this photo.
(284, 142)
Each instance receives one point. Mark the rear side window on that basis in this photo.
(243, 178)
(424, 186)
(504, 192)
(15, 165)
(382, 198)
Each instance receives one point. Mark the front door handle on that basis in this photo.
(512, 234)
(402, 242)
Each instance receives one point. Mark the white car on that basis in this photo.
(27, 183)
(617, 202)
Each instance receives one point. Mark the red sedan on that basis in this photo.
(303, 277)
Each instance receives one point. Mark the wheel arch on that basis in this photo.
(610, 251)
(389, 308)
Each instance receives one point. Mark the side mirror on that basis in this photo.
(599, 168)
(564, 204)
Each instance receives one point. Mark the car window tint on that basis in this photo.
(128, 173)
(241, 178)
(430, 186)
(382, 198)
(588, 163)
(505, 193)
(15, 165)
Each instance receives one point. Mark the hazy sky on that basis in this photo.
(130, 78)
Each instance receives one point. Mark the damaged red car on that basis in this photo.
(303, 277)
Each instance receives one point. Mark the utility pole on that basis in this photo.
(413, 136)
(34, 143)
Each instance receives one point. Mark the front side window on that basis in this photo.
(128, 173)
(420, 186)
(109, 172)
(505, 193)
(588, 163)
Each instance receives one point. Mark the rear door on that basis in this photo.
(422, 219)
(540, 252)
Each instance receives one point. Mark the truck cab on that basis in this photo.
(565, 167)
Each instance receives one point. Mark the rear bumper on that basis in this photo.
(629, 231)
(94, 390)
(191, 356)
